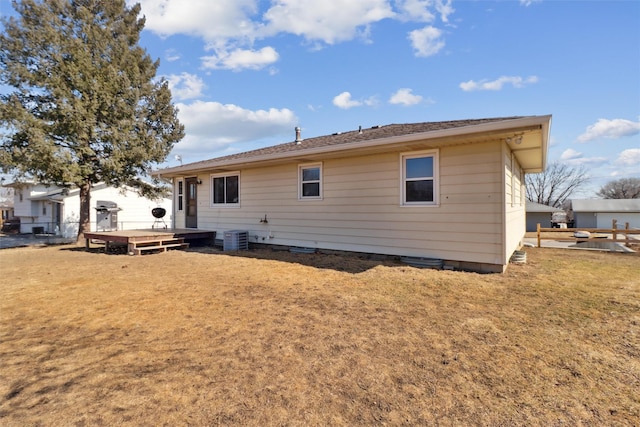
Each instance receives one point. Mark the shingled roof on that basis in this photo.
(338, 140)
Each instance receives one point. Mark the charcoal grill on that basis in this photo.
(159, 213)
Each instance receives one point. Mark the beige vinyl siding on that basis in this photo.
(515, 214)
(361, 207)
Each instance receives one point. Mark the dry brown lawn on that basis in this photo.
(264, 338)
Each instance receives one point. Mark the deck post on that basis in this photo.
(538, 234)
(614, 226)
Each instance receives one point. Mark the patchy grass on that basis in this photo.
(266, 338)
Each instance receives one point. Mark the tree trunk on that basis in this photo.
(85, 211)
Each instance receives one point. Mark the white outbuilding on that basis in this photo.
(600, 213)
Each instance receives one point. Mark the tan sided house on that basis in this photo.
(449, 190)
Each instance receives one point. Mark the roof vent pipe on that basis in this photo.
(360, 130)
(298, 137)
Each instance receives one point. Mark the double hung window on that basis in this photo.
(419, 175)
(310, 181)
(225, 190)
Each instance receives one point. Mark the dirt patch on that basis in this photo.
(264, 338)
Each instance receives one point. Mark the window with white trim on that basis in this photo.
(419, 178)
(310, 181)
(225, 190)
(180, 195)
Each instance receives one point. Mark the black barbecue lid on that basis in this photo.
(158, 212)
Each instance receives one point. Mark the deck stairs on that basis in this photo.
(137, 247)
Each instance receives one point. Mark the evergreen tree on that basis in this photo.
(83, 103)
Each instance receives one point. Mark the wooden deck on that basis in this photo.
(152, 240)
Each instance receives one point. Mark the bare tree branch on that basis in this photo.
(556, 184)
(625, 188)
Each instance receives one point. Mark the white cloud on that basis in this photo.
(211, 125)
(185, 86)
(219, 21)
(421, 10)
(576, 158)
(498, 84)
(372, 101)
(330, 21)
(172, 55)
(405, 96)
(528, 2)
(629, 157)
(569, 154)
(445, 9)
(427, 41)
(344, 101)
(241, 59)
(591, 161)
(610, 129)
(214, 21)
(415, 10)
(231, 27)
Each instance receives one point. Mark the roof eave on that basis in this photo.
(546, 135)
(504, 125)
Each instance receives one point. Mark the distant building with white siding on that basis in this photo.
(54, 210)
(600, 213)
(446, 190)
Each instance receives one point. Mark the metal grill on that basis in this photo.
(106, 215)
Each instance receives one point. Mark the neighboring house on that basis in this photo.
(6, 211)
(539, 214)
(600, 213)
(445, 190)
(6, 202)
(51, 209)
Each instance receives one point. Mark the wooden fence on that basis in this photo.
(620, 235)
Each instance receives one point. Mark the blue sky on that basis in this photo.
(244, 73)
